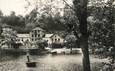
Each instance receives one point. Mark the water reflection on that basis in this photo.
(45, 63)
(58, 62)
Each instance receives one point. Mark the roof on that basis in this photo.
(37, 28)
(23, 35)
(54, 35)
(113, 3)
(48, 35)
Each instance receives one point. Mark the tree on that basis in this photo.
(81, 12)
(102, 26)
(1, 14)
(113, 24)
(9, 36)
(41, 44)
(80, 8)
(70, 41)
(16, 22)
(87, 32)
(47, 14)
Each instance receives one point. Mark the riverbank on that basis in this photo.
(22, 51)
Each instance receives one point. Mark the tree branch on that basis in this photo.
(69, 5)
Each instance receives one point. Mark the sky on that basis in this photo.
(6, 6)
(18, 6)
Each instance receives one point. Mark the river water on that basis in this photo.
(47, 63)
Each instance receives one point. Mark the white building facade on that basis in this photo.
(53, 38)
(36, 34)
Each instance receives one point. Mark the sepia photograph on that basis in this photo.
(57, 35)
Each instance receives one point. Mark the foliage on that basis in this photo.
(8, 36)
(70, 41)
(16, 22)
(41, 44)
(13, 20)
(101, 27)
(52, 24)
(99, 18)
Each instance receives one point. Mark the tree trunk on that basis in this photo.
(85, 60)
(84, 41)
(84, 44)
(81, 13)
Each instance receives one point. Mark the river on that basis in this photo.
(48, 62)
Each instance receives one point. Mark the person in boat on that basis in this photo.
(28, 57)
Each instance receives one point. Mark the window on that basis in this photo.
(32, 35)
(58, 39)
(52, 40)
(27, 39)
(32, 39)
(38, 35)
(22, 39)
(38, 30)
(55, 39)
